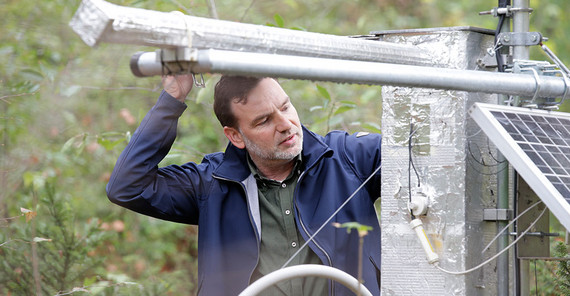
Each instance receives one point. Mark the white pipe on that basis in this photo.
(306, 270)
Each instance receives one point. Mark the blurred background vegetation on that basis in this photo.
(67, 111)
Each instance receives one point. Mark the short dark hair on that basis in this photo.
(232, 89)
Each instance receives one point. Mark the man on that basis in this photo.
(258, 202)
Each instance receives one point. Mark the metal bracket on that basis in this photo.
(487, 61)
(177, 54)
(497, 215)
(520, 38)
(507, 11)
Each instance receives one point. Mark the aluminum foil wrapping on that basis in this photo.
(450, 157)
(98, 21)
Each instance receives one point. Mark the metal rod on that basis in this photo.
(318, 69)
(98, 21)
(521, 24)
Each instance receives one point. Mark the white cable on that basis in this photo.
(496, 255)
(331, 216)
(508, 225)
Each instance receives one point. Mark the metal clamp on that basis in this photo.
(537, 89)
(566, 86)
(201, 83)
(520, 38)
(497, 214)
(507, 11)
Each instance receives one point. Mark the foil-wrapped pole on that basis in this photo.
(98, 21)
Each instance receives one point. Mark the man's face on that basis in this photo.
(268, 124)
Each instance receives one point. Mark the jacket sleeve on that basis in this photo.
(138, 184)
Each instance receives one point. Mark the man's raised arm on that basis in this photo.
(136, 182)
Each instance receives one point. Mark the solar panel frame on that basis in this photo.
(531, 145)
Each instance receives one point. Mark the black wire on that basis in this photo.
(498, 56)
(410, 166)
(410, 169)
(500, 62)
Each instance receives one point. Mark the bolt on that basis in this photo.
(534, 38)
(507, 38)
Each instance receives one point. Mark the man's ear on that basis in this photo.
(234, 136)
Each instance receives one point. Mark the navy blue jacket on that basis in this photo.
(220, 195)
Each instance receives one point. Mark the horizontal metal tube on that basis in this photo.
(98, 21)
(358, 72)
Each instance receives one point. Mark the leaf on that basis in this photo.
(298, 28)
(323, 91)
(343, 109)
(88, 281)
(373, 127)
(29, 214)
(315, 108)
(41, 239)
(346, 102)
(33, 75)
(70, 91)
(279, 21)
(67, 145)
(361, 228)
(108, 144)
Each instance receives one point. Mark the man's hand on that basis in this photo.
(178, 86)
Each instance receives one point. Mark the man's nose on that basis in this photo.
(283, 123)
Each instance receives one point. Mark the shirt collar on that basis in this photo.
(258, 176)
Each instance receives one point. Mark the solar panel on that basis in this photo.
(537, 144)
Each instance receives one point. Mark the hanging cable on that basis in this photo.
(508, 225)
(496, 255)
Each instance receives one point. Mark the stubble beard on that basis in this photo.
(257, 151)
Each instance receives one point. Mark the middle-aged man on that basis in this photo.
(258, 202)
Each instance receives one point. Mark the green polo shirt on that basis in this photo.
(280, 238)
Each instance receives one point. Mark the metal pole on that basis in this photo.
(307, 68)
(521, 24)
(503, 196)
(97, 21)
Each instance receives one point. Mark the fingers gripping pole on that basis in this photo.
(305, 270)
(417, 225)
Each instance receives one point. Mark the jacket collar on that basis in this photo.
(234, 165)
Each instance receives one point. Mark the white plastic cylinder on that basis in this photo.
(417, 225)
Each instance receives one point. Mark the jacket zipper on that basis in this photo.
(250, 221)
(305, 228)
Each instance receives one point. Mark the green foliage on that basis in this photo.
(563, 271)
(50, 254)
(552, 277)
